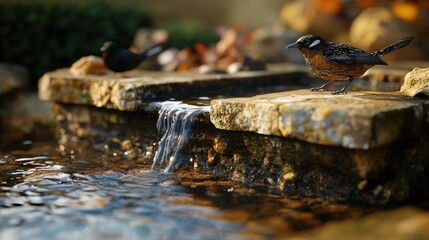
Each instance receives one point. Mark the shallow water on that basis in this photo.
(46, 194)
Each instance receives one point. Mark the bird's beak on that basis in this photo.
(105, 46)
(292, 45)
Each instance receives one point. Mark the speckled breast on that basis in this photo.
(332, 71)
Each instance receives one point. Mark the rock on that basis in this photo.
(390, 74)
(13, 77)
(146, 38)
(358, 120)
(306, 18)
(376, 28)
(134, 90)
(268, 45)
(24, 115)
(416, 13)
(402, 223)
(115, 133)
(382, 78)
(89, 65)
(393, 74)
(416, 83)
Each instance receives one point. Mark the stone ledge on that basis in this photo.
(133, 90)
(358, 120)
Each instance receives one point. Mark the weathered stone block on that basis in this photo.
(134, 90)
(358, 120)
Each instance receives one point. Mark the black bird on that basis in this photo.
(333, 61)
(119, 59)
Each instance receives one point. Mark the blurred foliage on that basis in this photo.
(186, 33)
(46, 35)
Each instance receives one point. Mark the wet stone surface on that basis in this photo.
(375, 176)
(128, 135)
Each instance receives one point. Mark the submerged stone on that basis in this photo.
(358, 120)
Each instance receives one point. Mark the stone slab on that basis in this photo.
(358, 120)
(133, 90)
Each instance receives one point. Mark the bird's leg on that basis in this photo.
(343, 90)
(321, 87)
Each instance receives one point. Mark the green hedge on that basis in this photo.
(185, 33)
(46, 35)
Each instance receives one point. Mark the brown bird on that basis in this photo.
(333, 61)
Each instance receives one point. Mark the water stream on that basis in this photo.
(175, 122)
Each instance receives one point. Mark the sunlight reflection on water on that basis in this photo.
(115, 205)
(92, 196)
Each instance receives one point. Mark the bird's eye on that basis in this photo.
(314, 43)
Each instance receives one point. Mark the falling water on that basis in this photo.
(175, 121)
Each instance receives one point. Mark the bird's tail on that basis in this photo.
(152, 51)
(397, 45)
